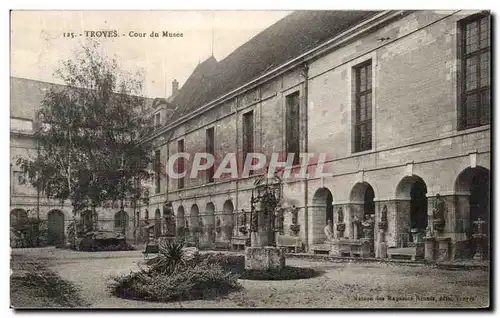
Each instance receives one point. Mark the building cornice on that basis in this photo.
(348, 35)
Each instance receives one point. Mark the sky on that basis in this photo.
(40, 40)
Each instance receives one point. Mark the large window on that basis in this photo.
(210, 148)
(475, 47)
(247, 135)
(292, 126)
(157, 171)
(180, 164)
(157, 120)
(363, 100)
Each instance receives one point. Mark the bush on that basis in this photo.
(170, 255)
(200, 280)
(286, 273)
(29, 232)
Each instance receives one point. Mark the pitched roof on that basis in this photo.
(26, 96)
(288, 38)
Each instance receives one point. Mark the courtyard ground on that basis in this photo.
(341, 285)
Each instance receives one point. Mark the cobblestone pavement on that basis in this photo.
(342, 284)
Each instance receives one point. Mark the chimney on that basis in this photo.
(175, 87)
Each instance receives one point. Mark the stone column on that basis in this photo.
(381, 251)
(430, 250)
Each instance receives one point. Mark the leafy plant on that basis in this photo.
(30, 232)
(197, 280)
(89, 137)
(169, 257)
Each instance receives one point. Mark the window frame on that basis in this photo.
(296, 152)
(180, 163)
(463, 118)
(367, 123)
(210, 148)
(157, 163)
(248, 139)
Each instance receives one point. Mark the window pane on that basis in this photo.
(470, 73)
(471, 39)
(471, 110)
(369, 135)
(485, 32)
(362, 111)
(485, 69)
(369, 77)
(362, 80)
(485, 107)
(369, 105)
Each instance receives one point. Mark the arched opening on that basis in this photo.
(362, 193)
(180, 221)
(210, 221)
(18, 217)
(413, 189)
(55, 227)
(121, 222)
(194, 215)
(475, 182)
(228, 220)
(322, 212)
(157, 223)
(363, 208)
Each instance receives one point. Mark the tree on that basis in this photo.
(89, 139)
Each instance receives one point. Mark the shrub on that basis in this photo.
(200, 280)
(286, 273)
(170, 255)
(30, 232)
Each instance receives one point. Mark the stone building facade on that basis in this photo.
(398, 101)
(26, 96)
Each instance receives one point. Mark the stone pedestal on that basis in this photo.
(479, 255)
(430, 249)
(335, 247)
(264, 258)
(381, 251)
(419, 250)
(366, 245)
(443, 253)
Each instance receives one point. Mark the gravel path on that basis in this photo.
(342, 285)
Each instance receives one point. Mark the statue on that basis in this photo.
(295, 227)
(243, 223)
(340, 224)
(438, 213)
(340, 215)
(382, 225)
(367, 226)
(218, 227)
(243, 218)
(279, 218)
(169, 217)
(254, 221)
(329, 229)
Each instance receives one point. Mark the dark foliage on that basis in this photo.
(29, 232)
(189, 281)
(287, 273)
